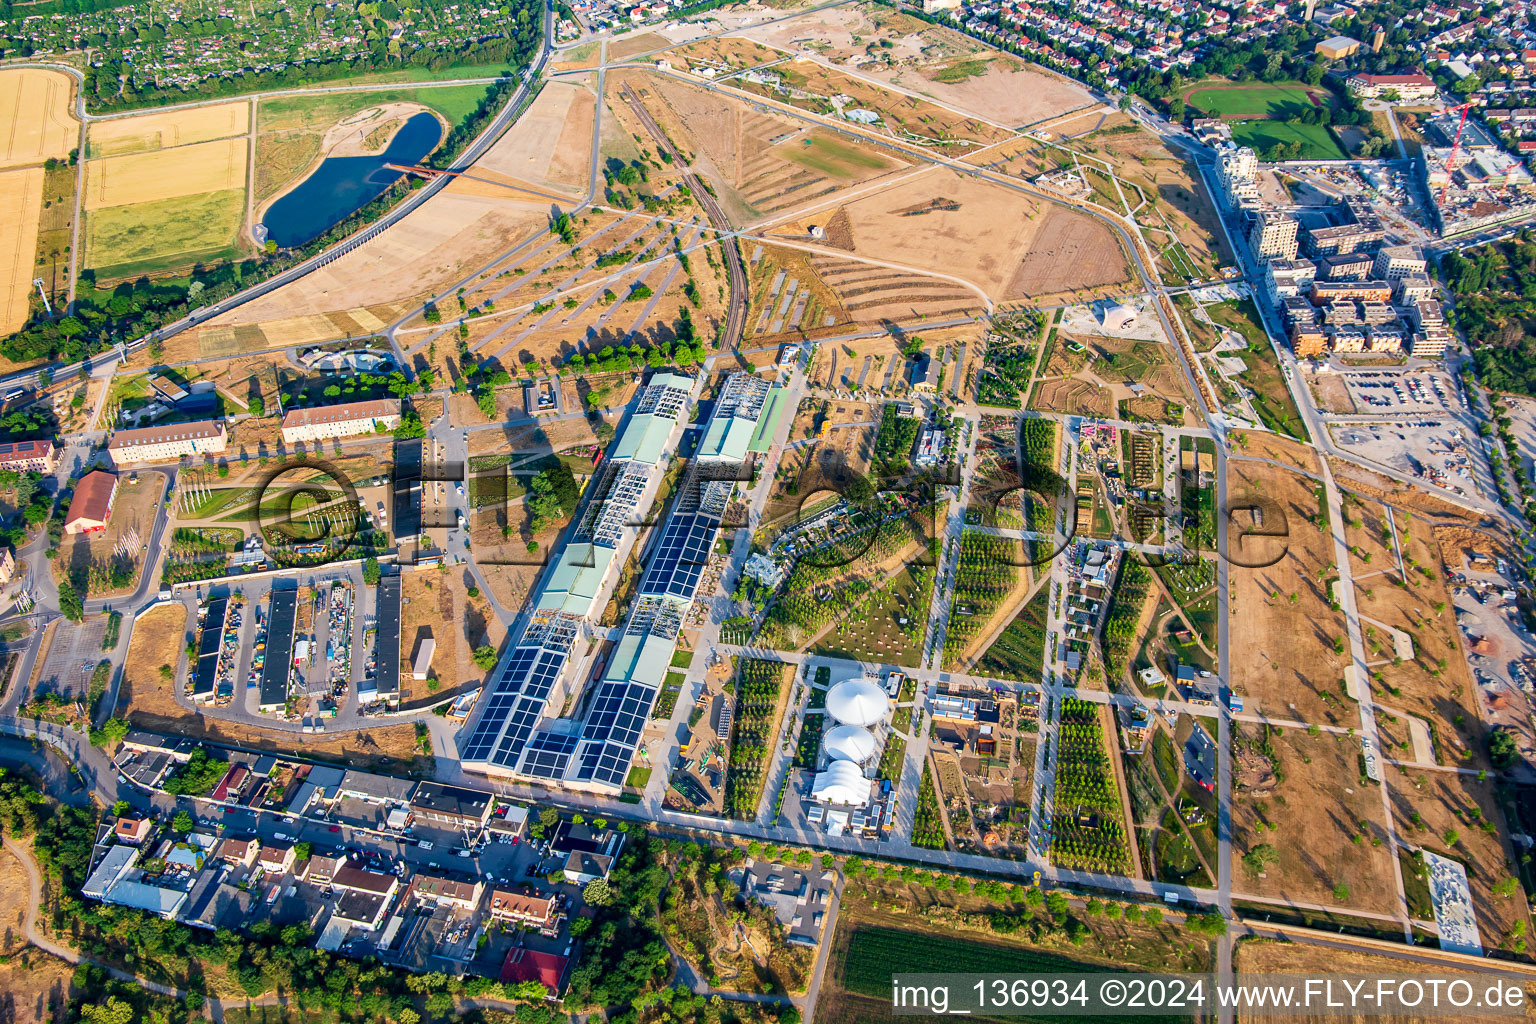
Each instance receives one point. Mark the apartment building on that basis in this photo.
(1309, 342)
(29, 457)
(1273, 236)
(524, 910)
(1289, 278)
(346, 420)
(169, 442)
(1347, 266)
(1343, 238)
(1396, 262)
(1414, 288)
(1405, 88)
(1324, 292)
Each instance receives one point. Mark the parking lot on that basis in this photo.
(1441, 453)
(1416, 392)
(1498, 646)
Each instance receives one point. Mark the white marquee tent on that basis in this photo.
(842, 783)
(850, 743)
(857, 702)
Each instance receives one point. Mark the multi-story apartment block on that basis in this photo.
(1413, 288)
(1324, 292)
(1289, 278)
(1406, 88)
(1349, 266)
(1344, 238)
(1398, 261)
(1308, 342)
(29, 456)
(1273, 236)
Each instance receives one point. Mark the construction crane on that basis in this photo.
(1450, 159)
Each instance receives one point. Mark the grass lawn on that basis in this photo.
(164, 236)
(1271, 398)
(1278, 100)
(832, 157)
(1317, 142)
(872, 632)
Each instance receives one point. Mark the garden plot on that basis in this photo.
(1288, 660)
(866, 293)
(888, 628)
(1288, 785)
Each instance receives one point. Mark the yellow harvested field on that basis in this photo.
(165, 173)
(21, 201)
(434, 245)
(162, 130)
(559, 116)
(35, 116)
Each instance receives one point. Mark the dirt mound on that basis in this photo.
(937, 203)
(839, 230)
(1255, 772)
(1459, 546)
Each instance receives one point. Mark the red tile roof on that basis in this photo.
(548, 969)
(93, 498)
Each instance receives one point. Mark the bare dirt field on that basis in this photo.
(165, 129)
(21, 203)
(437, 605)
(435, 244)
(1285, 661)
(1429, 807)
(165, 174)
(1316, 792)
(36, 985)
(949, 223)
(1261, 444)
(158, 638)
(549, 145)
(1070, 252)
(1254, 956)
(928, 59)
(35, 107)
(133, 514)
(151, 704)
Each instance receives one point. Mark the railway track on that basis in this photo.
(736, 311)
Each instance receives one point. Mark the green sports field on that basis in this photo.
(1316, 141)
(1278, 101)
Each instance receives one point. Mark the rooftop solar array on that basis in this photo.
(743, 396)
(508, 735)
(279, 661)
(407, 489)
(206, 674)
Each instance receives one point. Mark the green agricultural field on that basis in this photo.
(873, 954)
(165, 236)
(1316, 141)
(832, 157)
(1278, 101)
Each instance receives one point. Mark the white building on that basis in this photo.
(1398, 261)
(168, 442)
(1237, 168)
(346, 420)
(842, 783)
(860, 702)
(1289, 278)
(850, 743)
(1403, 88)
(1273, 236)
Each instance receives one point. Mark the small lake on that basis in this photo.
(341, 185)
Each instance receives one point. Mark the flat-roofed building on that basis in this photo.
(450, 806)
(346, 420)
(1273, 236)
(1413, 288)
(1399, 261)
(1288, 278)
(1324, 292)
(1337, 47)
(29, 456)
(1346, 266)
(1309, 343)
(1349, 338)
(168, 442)
(1429, 344)
(361, 909)
(1342, 238)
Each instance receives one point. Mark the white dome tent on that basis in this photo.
(850, 743)
(842, 783)
(857, 702)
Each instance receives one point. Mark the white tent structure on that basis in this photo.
(1118, 316)
(857, 702)
(850, 743)
(842, 783)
